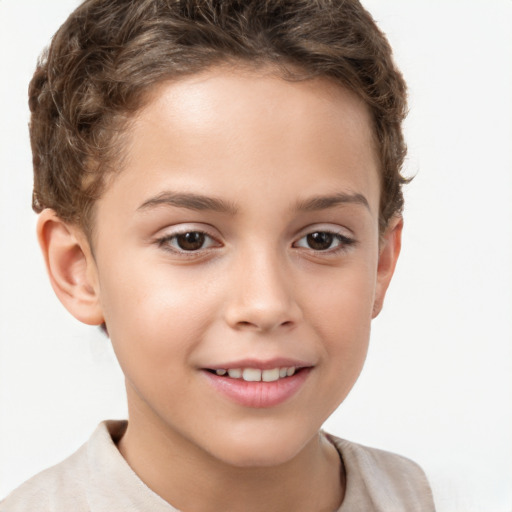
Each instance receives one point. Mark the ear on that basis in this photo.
(389, 250)
(71, 267)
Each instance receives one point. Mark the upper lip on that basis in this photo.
(262, 364)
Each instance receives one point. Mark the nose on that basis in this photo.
(261, 296)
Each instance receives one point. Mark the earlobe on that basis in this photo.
(388, 255)
(71, 267)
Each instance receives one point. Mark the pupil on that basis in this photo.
(320, 241)
(190, 241)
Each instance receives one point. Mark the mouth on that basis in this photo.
(256, 374)
(259, 385)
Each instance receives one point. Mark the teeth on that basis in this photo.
(257, 375)
(235, 373)
(270, 375)
(251, 375)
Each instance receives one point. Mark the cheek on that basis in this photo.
(341, 309)
(341, 318)
(153, 315)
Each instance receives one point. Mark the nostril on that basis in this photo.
(260, 325)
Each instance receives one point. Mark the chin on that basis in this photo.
(265, 448)
(250, 458)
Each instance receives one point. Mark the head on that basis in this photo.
(220, 185)
(106, 59)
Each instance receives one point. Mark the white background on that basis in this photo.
(438, 382)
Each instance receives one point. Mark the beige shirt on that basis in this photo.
(96, 478)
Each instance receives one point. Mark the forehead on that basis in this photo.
(230, 97)
(226, 129)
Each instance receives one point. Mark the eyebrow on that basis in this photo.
(189, 201)
(325, 202)
(200, 202)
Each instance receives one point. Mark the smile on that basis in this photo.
(256, 374)
(250, 385)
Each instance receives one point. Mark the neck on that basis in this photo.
(190, 479)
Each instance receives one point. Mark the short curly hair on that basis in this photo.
(109, 54)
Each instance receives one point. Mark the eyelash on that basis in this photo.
(166, 242)
(344, 242)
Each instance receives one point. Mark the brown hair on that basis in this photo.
(109, 53)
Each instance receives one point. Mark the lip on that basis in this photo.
(267, 364)
(259, 395)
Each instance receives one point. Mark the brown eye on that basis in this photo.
(320, 241)
(326, 241)
(192, 241)
(187, 241)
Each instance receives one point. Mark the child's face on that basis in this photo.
(242, 232)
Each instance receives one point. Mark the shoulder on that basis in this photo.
(95, 478)
(56, 489)
(69, 486)
(387, 481)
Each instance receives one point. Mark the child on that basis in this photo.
(219, 188)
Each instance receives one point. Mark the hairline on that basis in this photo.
(284, 69)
